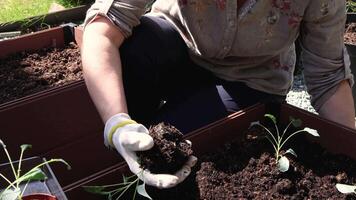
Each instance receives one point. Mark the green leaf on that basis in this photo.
(346, 189)
(291, 151)
(271, 117)
(35, 174)
(25, 146)
(312, 132)
(10, 194)
(283, 164)
(141, 190)
(96, 190)
(296, 122)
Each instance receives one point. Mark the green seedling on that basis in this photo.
(13, 190)
(346, 189)
(279, 140)
(350, 6)
(116, 191)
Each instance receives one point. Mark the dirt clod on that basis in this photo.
(169, 153)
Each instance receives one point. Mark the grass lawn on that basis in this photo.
(13, 10)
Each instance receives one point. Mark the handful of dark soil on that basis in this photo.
(169, 153)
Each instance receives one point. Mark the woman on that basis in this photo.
(191, 62)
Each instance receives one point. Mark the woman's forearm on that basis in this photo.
(102, 67)
(340, 106)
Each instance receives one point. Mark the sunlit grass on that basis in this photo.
(14, 10)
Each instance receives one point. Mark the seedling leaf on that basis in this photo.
(34, 174)
(296, 122)
(142, 191)
(291, 151)
(96, 190)
(271, 117)
(10, 194)
(25, 146)
(312, 132)
(346, 189)
(283, 164)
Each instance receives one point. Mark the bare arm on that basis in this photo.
(102, 67)
(340, 106)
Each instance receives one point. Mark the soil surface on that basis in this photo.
(169, 153)
(247, 170)
(350, 34)
(26, 73)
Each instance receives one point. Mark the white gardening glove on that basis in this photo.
(127, 136)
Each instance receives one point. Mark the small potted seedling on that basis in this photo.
(16, 188)
(169, 153)
(278, 140)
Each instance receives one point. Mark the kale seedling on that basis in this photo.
(346, 189)
(13, 191)
(117, 190)
(278, 140)
(350, 6)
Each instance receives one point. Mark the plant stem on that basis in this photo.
(285, 130)
(24, 189)
(134, 196)
(291, 136)
(19, 166)
(122, 193)
(7, 180)
(10, 160)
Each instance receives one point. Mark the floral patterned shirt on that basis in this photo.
(253, 43)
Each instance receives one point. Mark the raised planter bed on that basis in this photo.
(334, 138)
(61, 122)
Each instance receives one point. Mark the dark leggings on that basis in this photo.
(163, 84)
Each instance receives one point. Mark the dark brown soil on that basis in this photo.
(169, 153)
(247, 170)
(26, 73)
(350, 34)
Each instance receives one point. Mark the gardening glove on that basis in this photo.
(127, 136)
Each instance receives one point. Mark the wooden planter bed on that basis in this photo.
(61, 122)
(337, 140)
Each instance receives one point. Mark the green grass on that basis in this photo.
(14, 10)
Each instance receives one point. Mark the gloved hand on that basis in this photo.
(127, 136)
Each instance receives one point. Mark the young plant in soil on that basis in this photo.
(13, 191)
(350, 6)
(169, 153)
(116, 191)
(278, 140)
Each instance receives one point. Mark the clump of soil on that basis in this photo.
(169, 153)
(247, 170)
(26, 73)
(350, 34)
